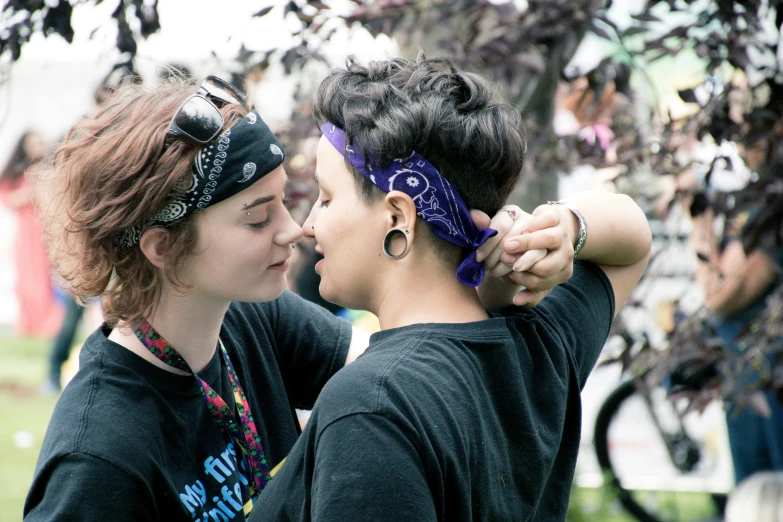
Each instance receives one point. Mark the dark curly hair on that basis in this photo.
(454, 119)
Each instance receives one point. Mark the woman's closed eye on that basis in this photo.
(324, 203)
(260, 225)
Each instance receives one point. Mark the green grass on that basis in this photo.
(599, 504)
(24, 409)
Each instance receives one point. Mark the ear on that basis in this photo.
(154, 243)
(401, 211)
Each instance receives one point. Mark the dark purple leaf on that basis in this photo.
(600, 31)
(634, 30)
(263, 12)
(58, 20)
(646, 16)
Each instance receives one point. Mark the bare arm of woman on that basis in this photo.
(618, 240)
(746, 278)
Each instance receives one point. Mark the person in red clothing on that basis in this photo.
(39, 312)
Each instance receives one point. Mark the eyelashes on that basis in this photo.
(260, 225)
(268, 220)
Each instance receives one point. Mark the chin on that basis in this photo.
(329, 293)
(270, 292)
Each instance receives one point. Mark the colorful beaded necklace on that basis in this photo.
(244, 435)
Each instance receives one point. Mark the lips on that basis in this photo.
(281, 264)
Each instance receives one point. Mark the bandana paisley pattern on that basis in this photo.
(243, 432)
(437, 201)
(239, 157)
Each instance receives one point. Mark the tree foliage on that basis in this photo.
(24, 18)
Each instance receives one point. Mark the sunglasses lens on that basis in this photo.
(199, 119)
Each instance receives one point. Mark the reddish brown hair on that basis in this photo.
(109, 174)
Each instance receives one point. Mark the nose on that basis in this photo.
(290, 233)
(308, 228)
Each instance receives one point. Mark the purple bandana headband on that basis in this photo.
(437, 202)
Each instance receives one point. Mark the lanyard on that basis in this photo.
(243, 433)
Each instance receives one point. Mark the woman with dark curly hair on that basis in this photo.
(452, 413)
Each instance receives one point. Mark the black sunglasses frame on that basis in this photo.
(213, 91)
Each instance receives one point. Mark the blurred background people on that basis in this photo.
(756, 441)
(40, 314)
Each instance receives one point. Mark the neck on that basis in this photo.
(427, 296)
(187, 323)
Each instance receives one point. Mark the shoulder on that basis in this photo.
(361, 386)
(589, 278)
(392, 376)
(106, 402)
(588, 291)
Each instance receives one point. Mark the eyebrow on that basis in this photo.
(259, 201)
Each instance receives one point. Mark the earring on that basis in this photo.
(387, 242)
(293, 244)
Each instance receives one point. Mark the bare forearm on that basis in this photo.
(728, 299)
(617, 230)
(741, 288)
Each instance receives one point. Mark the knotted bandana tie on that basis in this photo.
(436, 200)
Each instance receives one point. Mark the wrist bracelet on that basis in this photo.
(581, 239)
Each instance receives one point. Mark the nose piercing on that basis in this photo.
(313, 227)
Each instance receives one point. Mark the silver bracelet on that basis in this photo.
(581, 239)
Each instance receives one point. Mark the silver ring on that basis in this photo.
(511, 212)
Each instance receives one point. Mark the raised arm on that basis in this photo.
(618, 238)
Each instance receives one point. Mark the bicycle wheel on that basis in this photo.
(629, 435)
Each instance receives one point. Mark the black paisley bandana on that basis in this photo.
(242, 155)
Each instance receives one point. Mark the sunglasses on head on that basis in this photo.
(198, 120)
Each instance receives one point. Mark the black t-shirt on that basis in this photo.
(131, 441)
(453, 422)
